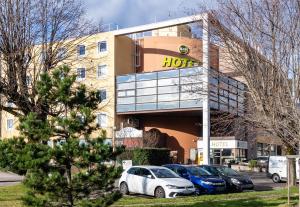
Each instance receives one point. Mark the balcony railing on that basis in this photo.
(176, 89)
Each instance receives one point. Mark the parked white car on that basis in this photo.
(154, 181)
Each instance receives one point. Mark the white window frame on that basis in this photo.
(85, 51)
(101, 125)
(98, 47)
(106, 94)
(104, 75)
(7, 124)
(80, 78)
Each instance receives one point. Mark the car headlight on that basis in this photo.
(235, 181)
(207, 183)
(172, 187)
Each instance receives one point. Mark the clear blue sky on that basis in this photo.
(128, 13)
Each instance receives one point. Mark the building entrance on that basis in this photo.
(216, 156)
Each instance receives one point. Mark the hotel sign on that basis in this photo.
(226, 144)
(178, 62)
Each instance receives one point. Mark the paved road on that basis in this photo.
(262, 182)
(8, 178)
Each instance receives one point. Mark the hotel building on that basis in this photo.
(167, 81)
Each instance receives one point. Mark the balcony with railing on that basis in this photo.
(177, 89)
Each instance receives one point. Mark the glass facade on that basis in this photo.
(176, 89)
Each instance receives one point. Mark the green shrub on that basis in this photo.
(146, 156)
(252, 164)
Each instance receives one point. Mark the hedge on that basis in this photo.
(146, 156)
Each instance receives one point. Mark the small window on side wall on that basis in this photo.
(102, 120)
(81, 50)
(102, 95)
(101, 71)
(10, 124)
(102, 46)
(80, 73)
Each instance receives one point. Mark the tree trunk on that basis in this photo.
(69, 180)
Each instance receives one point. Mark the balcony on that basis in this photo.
(177, 89)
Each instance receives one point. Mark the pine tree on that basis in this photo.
(78, 170)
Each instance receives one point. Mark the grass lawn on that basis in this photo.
(11, 197)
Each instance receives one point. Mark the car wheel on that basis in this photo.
(276, 178)
(159, 192)
(124, 188)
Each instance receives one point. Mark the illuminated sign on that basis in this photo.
(179, 62)
(183, 49)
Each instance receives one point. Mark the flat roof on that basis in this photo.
(160, 25)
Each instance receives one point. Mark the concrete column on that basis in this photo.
(206, 105)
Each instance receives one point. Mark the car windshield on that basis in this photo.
(227, 171)
(212, 170)
(164, 173)
(197, 171)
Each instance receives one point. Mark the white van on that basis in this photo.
(277, 168)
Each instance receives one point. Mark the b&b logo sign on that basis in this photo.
(183, 49)
(180, 62)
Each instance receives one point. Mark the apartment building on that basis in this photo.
(167, 82)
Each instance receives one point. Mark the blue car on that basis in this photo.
(205, 182)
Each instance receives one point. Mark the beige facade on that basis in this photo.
(91, 62)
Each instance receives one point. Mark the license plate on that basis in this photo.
(220, 188)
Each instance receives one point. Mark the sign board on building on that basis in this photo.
(180, 62)
(129, 132)
(193, 154)
(226, 144)
(126, 164)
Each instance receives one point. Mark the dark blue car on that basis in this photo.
(204, 181)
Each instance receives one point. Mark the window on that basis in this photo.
(133, 171)
(43, 56)
(101, 71)
(145, 173)
(102, 95)
(81, 50)
(80, 73)
(102, 46)
(10, 124)
(102, 120)
(28, 80)
(61, 53)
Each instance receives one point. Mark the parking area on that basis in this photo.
(262, 182)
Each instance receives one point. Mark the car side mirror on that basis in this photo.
(150, 176)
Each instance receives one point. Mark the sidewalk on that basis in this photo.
(10, 177)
